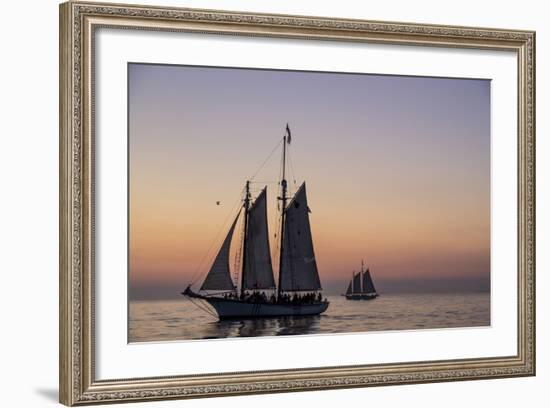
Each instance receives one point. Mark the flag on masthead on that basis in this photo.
(288, 135)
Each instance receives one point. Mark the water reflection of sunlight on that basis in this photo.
(177, 320)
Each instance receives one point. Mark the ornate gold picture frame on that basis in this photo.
(78, 24)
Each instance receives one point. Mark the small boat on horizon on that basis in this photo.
(298, 291)
(361, 286)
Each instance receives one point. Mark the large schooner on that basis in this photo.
(298, 292)
(361, 286)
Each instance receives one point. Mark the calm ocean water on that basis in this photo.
(163, 320)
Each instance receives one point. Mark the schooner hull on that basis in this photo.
(367, 296)
(233, 309)
(239, 309)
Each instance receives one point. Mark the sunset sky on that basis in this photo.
(397, 172)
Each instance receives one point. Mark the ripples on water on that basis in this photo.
(163, 320)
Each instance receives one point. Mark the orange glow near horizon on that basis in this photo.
(399, 178)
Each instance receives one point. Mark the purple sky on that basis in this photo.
(397, 168)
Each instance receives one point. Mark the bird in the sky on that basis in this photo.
(218, 202)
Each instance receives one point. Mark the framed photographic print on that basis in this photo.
(256, 203)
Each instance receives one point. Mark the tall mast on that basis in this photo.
(362, 275)
(246, 206)
(283, 198)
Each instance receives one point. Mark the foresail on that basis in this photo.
(368, 286)
(258, 271)
(357, 283)
(219, 276)
(348, 291)
(298, 267)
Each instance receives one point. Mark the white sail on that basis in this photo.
(219, 276)
(368, 286)
(258, 271)
(357, 283)
(298, 267)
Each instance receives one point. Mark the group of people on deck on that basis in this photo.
(284, 298)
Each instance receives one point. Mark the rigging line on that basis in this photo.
(261, 166)
(207, 310)
(196, 275)
(267, 158)
(291, 167)
(209, 255)
(239, 254)
(199, 305)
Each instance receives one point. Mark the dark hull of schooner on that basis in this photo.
(362, 296)
(242, 309)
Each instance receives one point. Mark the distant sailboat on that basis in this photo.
(361, 286)
(298, 292)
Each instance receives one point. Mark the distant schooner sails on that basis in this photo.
(361, 286)
(298, 290)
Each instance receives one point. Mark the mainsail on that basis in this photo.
(368, 286)
(298, 266)
(357, 283)
(258, 269)
(219, 276)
